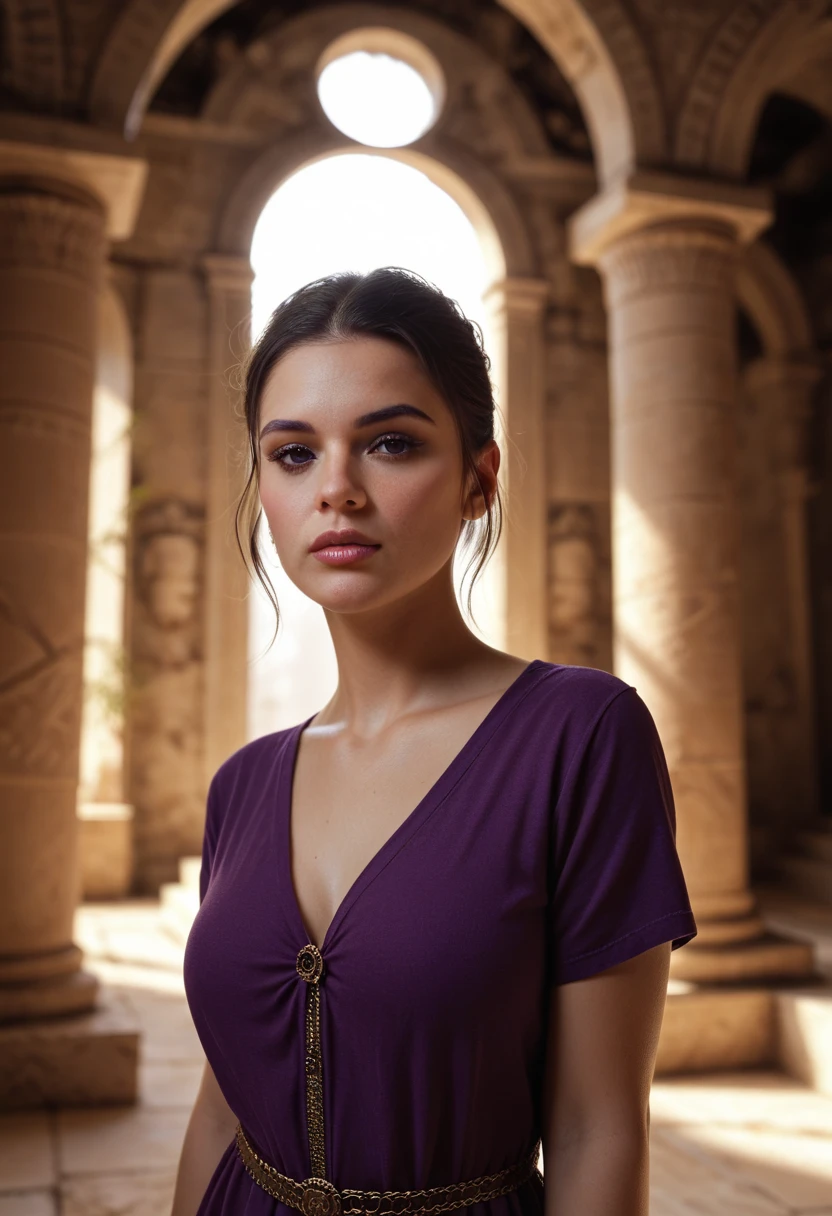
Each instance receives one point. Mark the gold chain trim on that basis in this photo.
(310, 967)
(318, 1197)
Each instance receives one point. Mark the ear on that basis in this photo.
(479, 497)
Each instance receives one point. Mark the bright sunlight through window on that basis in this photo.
(358, 211)
(347, 212)
(376, 98)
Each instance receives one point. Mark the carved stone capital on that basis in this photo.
(114, 183)
(692, 256)
(53, 233)
(646, 199)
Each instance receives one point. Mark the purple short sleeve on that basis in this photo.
(618, 887)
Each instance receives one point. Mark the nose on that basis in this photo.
(339, 486)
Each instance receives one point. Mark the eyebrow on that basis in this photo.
(380, 415)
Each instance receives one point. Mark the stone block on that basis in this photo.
(86, 1060)
(804, 1035)
(106, 849)
(710, 1029)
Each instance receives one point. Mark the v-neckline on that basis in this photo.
(437, 792)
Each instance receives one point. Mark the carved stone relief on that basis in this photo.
(700, 102)
(578, 544)
(165, 698)
(40, 710)
(41, 230)
(678, 32)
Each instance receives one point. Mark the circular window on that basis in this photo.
(380, 87)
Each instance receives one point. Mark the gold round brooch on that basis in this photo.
(310, 964)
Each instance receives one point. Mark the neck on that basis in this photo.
(398, 656)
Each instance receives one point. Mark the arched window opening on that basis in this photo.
(106, 819)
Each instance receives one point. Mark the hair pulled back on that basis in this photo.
(400, 305)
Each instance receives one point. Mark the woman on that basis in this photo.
(436, 917)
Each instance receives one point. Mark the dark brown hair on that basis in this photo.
(388, 303)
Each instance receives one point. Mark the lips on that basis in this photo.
(348, 536)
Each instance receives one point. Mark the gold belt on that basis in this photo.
(319, 1197)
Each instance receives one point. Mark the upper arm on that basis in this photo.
(601, 1043)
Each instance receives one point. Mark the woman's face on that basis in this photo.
(353, 435)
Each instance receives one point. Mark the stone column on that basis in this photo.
(667, 252)
(51, 260)
(783, 389)
(53, 231)
(229, 279)
(516, 307)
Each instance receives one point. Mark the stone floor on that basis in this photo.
(744, 1144)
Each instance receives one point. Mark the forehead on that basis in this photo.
(354, 374)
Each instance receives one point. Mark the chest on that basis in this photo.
(349, 798)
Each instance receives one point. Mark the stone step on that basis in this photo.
(179, 906)
(803, 1020)
(88, 1059)
(809, 877)
(709, 1029)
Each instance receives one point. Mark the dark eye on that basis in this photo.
(291, 450)
(402, 444)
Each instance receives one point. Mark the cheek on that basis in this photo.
(282, 508)
(425, 503)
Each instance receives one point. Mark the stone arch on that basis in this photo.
(457, 159)
(594, 42)
(601, 53)
(479, 193)
(809, 80)
(102, 775)
(466, 153)
(768, 293)
(758, 49)
(145, 40)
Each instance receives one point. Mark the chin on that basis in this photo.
(345, 598)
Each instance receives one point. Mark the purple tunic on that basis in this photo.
(543, 854)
